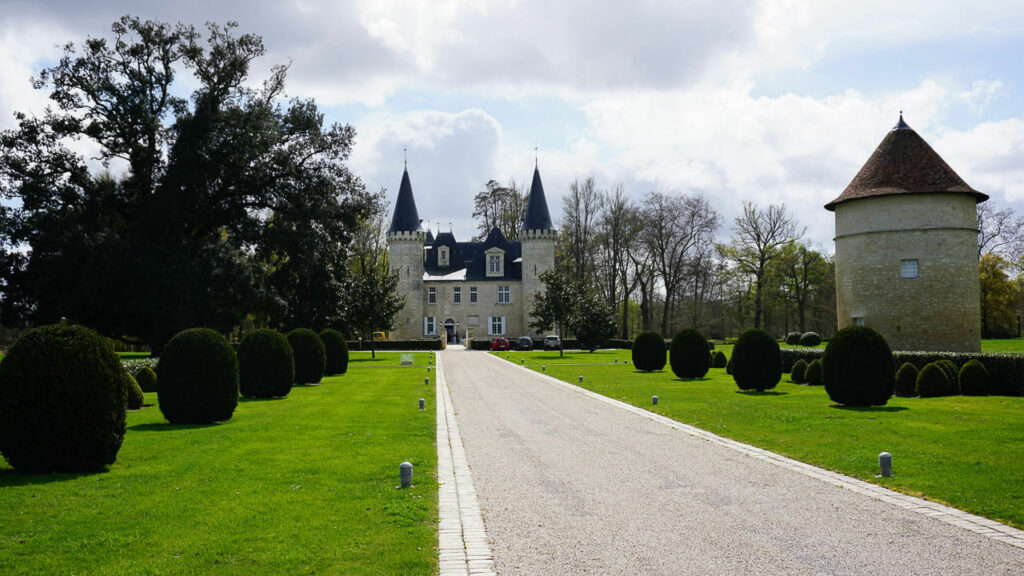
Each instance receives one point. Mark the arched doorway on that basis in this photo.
(449, 328)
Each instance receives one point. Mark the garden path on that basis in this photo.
(569, 483)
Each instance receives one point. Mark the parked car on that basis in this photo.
(500, 344)
(524, 343)
(552, 342)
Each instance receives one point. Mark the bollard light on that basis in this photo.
(522, 360)
(885, 464)
(428, 369)
(405, 473)
(544, 368)
(426, 381)
(581, 379)
(654, 400)
(423, 404)
(616, 360)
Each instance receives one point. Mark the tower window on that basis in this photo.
(908, 269)
(858, 321)
(431, 295)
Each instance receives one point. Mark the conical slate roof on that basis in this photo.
(406, 218)
(537, 216)
(904, 164)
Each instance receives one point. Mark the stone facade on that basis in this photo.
(878, 240)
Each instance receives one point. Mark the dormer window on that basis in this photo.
(495, 262)
(442, 256)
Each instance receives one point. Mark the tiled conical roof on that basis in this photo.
(904, 164)
(537, 216)
(406, 218)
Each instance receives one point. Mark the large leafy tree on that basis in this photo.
(229, 201)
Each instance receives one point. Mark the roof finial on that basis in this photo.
(405, 154)
(535, 156)
(449, 227)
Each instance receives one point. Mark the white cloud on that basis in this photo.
(989, 157)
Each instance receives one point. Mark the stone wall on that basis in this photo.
(538, 256)
(938, 310)
(405, 253)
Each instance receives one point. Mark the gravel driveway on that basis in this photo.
(572, 485)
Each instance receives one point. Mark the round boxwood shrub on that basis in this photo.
(952, 374)
(906, 380)
(648, 351)
(62, 401)
(689, 354)
(337, 352)
(810, 339)
(146, 379)
(719, 360)
(974, 379)
(198, 378)
(134, 399)
(813, 373)
(793, 338)
(756, 361)
(932, 381)
(266, 365)
(796, 374)
(857, 368)
(310, 356)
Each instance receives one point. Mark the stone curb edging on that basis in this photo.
(462, 540)
(977, 524)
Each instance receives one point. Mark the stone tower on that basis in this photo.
(405, 249)
(907, 248)
(538, 237)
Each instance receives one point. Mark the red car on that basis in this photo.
(500, 344)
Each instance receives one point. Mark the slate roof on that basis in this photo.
(471, 256)
(537, 216)
(406, 218)
(904, 164)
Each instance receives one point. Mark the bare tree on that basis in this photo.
(501, 206)
(580, 209)
(617, 227)
(674, 226)
(759, 238)
(999, 232)
(369, 250)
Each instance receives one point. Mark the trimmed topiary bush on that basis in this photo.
(146, 379)
(719, 360)
(932, 381)
(797, 373)
(952, 374)
(62, 401)
(134, 399)
(266, 365)
(198, 378)
(728, 367)
(810, 339)
(906, 380)
(813, 373)
(756, 362)
(793, 338)
(648, 352)
(689, 355)
(857, 368)
(336, 350)
(310, 356)
(974, 379)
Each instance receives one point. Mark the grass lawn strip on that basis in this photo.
(301, 485)
(962, 451)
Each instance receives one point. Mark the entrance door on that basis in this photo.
(449, 328)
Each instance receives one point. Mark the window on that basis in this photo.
(493, 264)
(472, 294)
(496, 326)
(457, 295)
(503, 297)
(858, 321)
(442, 256)
(908, 269)
(431, 295)
(429, 326)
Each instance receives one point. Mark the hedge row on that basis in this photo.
(1005, 371)
(381, 345)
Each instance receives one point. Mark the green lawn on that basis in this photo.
(1015, 345)
(963, 451)
(303, 485)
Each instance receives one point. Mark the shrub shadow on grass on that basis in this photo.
(247, 399)
(649, 371)
(11, 477)
(701, 379)
(762, 393)
(869, 408)
(168, 427)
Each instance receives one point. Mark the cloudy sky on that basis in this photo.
(769, 101)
